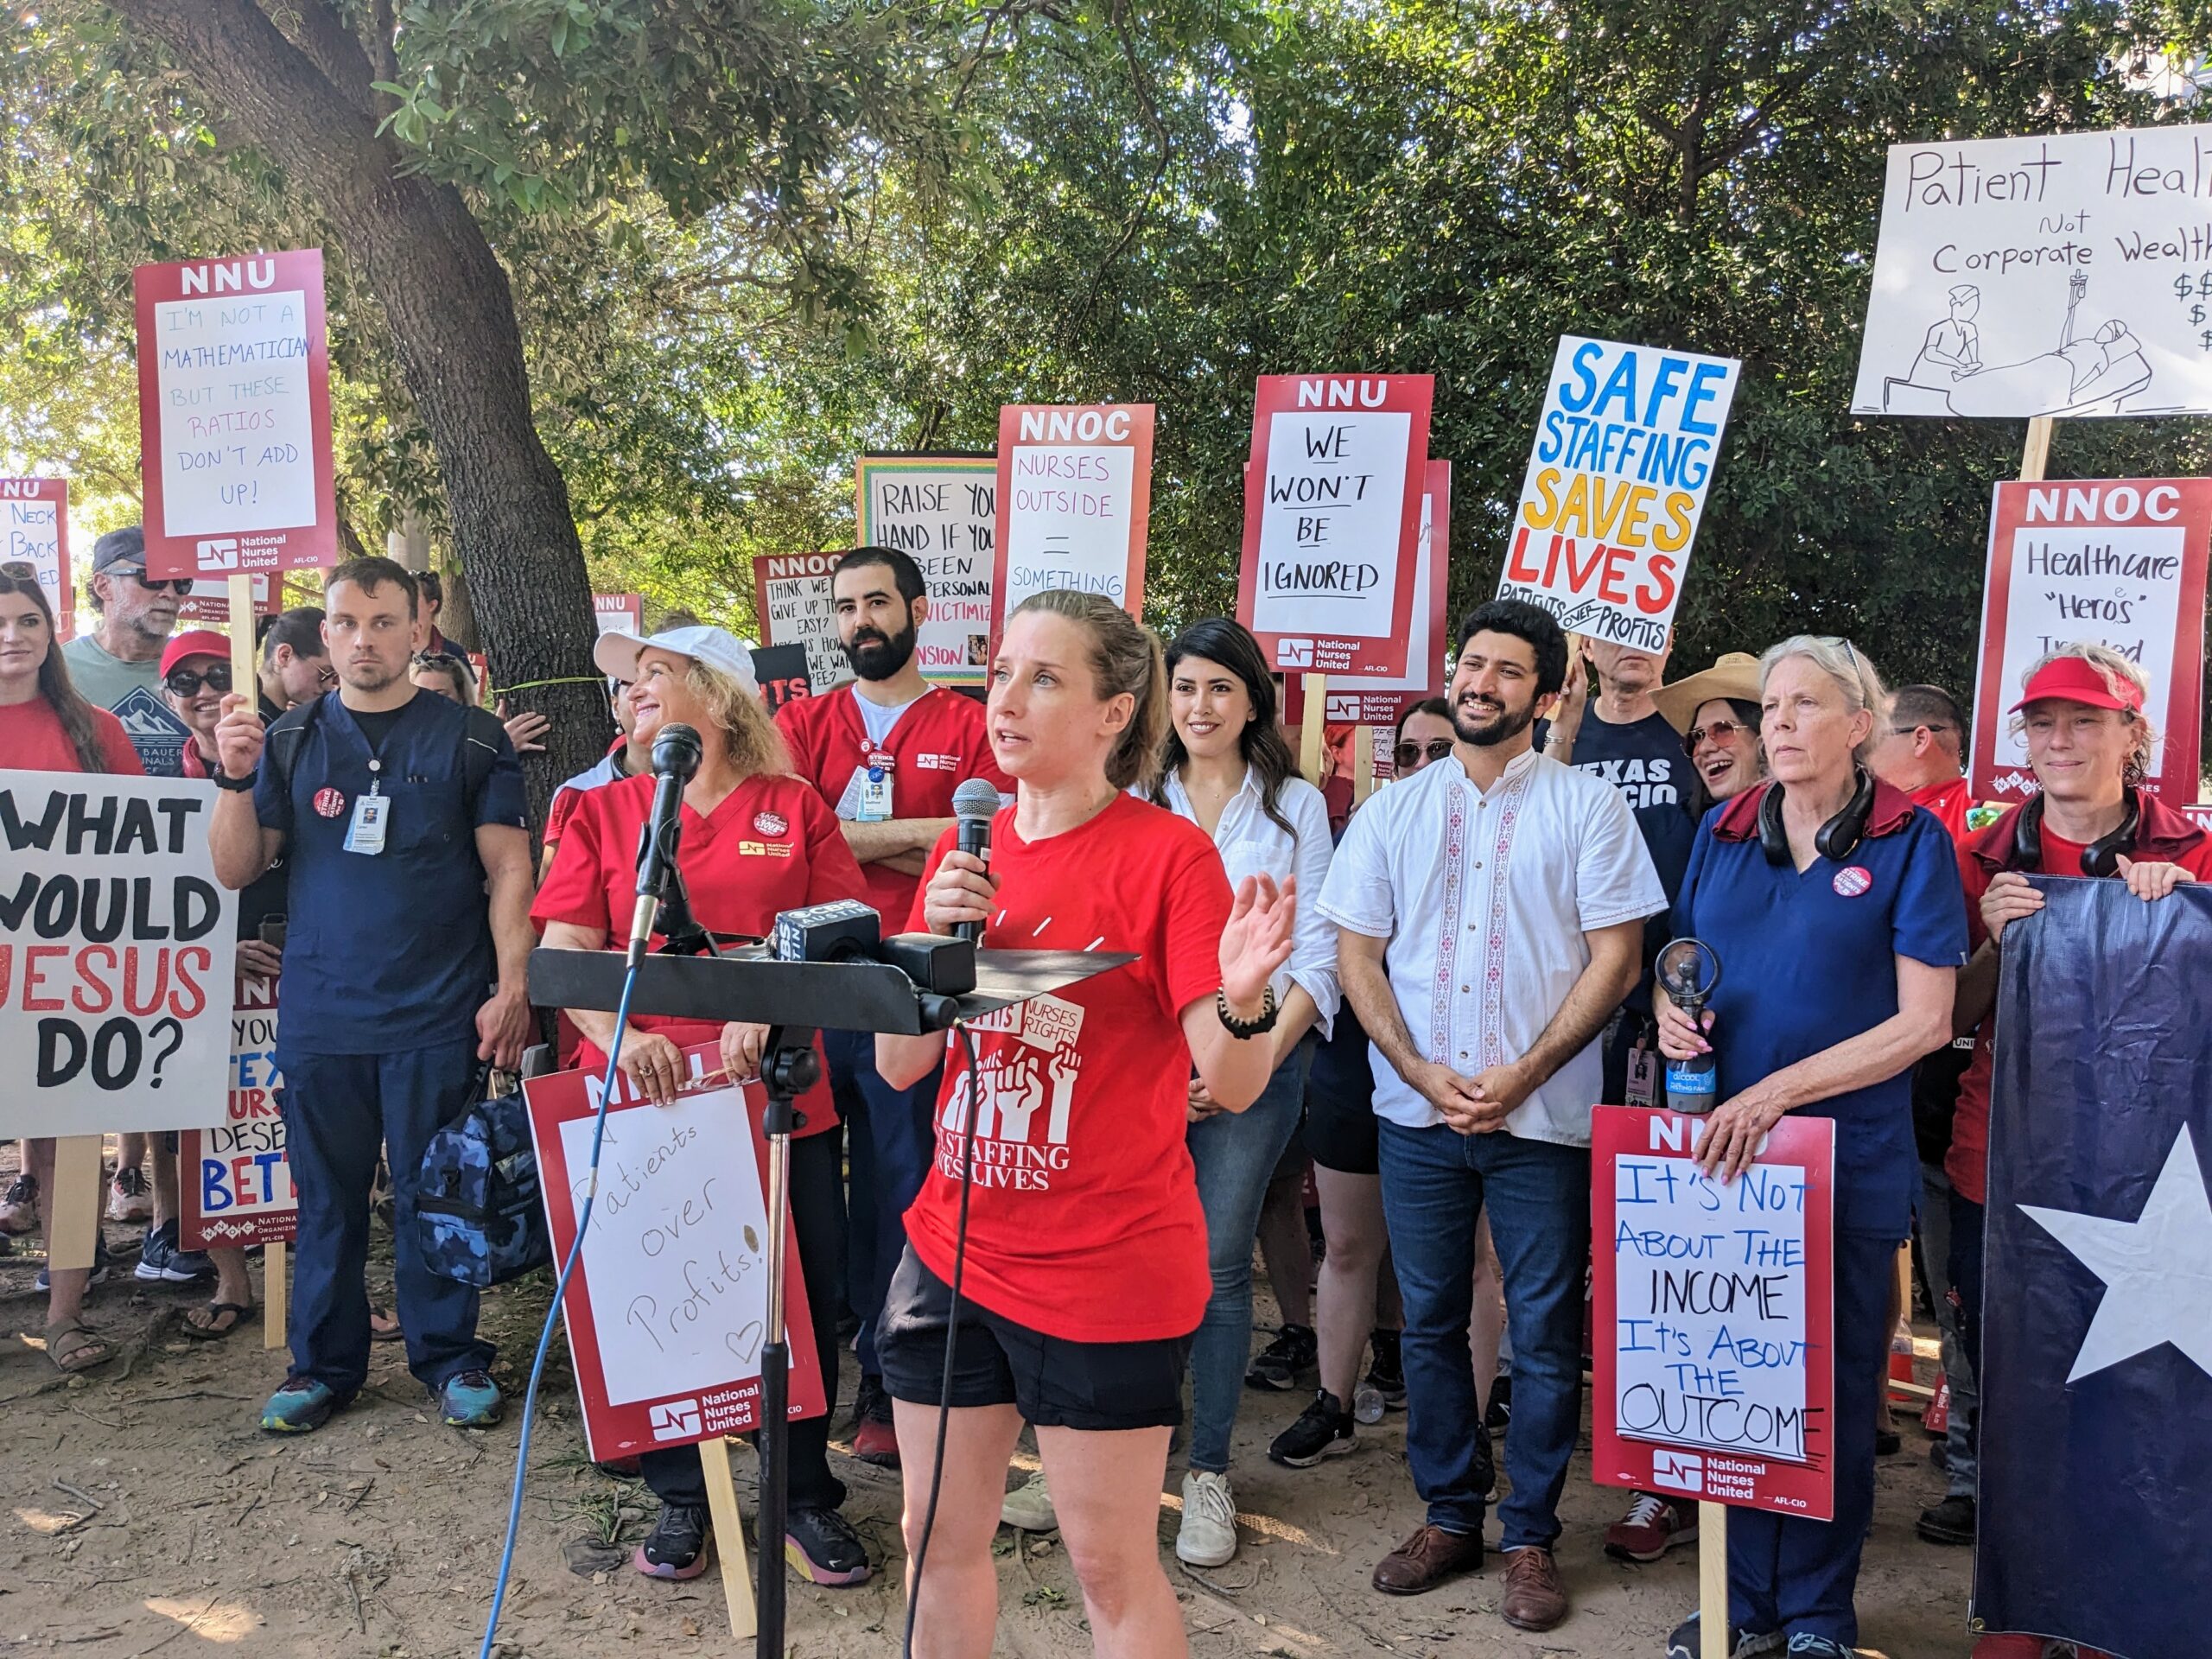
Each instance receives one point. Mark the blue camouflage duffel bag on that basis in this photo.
(478, 1216)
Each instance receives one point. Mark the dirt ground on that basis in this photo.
(143, 1512)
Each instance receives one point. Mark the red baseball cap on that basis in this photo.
(199, 642)
(2077, 680)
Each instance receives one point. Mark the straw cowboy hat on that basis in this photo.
(1734, 675)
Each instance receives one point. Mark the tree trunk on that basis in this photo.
(453, 330)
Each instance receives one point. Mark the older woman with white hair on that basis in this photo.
(1833, 904)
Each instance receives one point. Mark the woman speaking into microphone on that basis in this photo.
(1083, 1263)
(754, 841)
(1833, 904)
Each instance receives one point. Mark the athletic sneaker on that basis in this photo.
(130, 1197)
(103, 1264)
(1282, 1365)
(1806, 1645)
(1028, 1507)
(874, 1440)
(1323, 1430)
(823, 1548)
(162, 1262)
(1208, 1534)
(301, 1405)
(1652, 1526)
(676, 1547)
(1688, 1641)
(1383, 1388)
(19, 1206)
(471, 1400)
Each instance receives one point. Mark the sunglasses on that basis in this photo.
(1720, 731)
(178, 585)
(19, 570)
(1408, 755)
(186, 682)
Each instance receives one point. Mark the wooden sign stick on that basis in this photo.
(244, 680)
(2036, 454)
(1713, 1580)
(1313, 737)
(1362, 763)
(729, 1539)
(75, 1205)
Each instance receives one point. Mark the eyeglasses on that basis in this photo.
(186, 682)
(1408, 755)
(178, 585)
(1720, 731)
(325, 675)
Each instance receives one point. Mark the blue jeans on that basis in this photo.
(1235, 1153)
(1798, 1576)
(1936, 1267)
(338, 1110)
(891, 1137)
(1435, 1183)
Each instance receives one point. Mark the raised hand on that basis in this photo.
(1257, 940)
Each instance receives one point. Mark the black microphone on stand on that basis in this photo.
(974, 803)
(676, 758)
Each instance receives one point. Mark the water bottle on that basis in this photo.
(1690, 971)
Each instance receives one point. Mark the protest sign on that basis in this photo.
(210, 600)
(1714, 1309)
(941, 511)
(1616, 485)
(668, 1309)
(116, 947)
(790, 595)
(781, 672)
(2069, 274)
(1332, 517)
(1428, 635)
(2119, 564)
(1074, 501)
(619, 612)
(36, 512)
(236, 1179)
(234, 414)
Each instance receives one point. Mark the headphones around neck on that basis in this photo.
(1837, 839)
(2101, 858)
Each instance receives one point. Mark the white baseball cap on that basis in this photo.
(616, 653)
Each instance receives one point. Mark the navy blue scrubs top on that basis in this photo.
(389, 950)
(1807, 961)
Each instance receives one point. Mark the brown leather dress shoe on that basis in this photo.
(1534, 1600)
(1426, 1559)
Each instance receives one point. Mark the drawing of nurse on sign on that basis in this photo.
(1953, 348)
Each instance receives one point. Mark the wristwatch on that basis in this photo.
(236, 785)
(1243, 1030)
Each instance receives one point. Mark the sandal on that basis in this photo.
(74, 1346)
(200, 1323)
(383, 1324)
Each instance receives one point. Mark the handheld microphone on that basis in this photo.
(974, 803)
(676, 758)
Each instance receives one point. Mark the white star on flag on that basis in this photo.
(2156, 1269)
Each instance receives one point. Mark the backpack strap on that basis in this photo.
(288, 735)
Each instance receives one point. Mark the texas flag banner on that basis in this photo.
(2096, 1383)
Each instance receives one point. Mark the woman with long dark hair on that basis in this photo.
(45, 726)
(1226, 768)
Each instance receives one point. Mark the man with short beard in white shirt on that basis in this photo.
(1490, 914)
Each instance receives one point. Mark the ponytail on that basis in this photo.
(1125, 660)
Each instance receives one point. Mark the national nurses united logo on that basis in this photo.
(1854, 880)
(329, 802)
(770, 824)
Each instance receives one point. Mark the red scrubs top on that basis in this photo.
(770, 845)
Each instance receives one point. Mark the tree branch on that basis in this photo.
(321, 35)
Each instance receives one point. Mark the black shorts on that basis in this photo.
(1340, 1129)
(995, 1362)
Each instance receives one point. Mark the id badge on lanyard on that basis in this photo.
(371, 814)
(875, 791)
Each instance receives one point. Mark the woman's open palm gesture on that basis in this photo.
(1257, 940)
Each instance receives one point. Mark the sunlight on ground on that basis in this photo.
(211, 1620)
(46, 1521)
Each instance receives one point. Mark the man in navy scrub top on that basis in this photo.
(399, 815)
